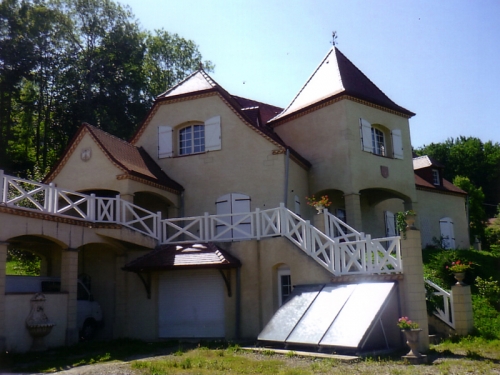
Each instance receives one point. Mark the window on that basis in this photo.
(381, 141)
(378, 142)
(435, 177)
(192, 139)
(284, 284)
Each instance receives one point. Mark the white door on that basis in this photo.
(447, 233)
(237, 223)
(191, 304)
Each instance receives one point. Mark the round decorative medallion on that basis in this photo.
(86, 154)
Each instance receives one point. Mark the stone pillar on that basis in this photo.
(462, 309)
(412, 287)
(3, 266)
(353, 211)
(69, 284)
(319, 222)
(121, 311)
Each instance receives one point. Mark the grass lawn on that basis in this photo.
(469, 355)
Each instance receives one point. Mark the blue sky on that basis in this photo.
(437, 58)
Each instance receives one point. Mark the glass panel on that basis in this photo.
(285, 319)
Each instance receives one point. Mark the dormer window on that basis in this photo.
(435, 177)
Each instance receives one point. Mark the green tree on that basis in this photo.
(64, 62)
(169, 59)
(470, 157)
(476, 212)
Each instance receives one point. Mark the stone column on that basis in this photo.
(3, 266)
(412, 287)
(462, 309)
(319, 222)
(69, 284)
(353, 211)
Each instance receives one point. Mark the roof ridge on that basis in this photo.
(105, 133)
(305, 84)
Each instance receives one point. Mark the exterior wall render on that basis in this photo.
(434, 206)
(245, 164)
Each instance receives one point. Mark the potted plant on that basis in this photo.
(411, 331)
(458, 268)
(320, 204)
(405, 220)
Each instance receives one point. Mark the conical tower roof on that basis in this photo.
(335, 76)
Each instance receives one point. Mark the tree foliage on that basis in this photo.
(64, 62)
(470, 157)
(475, 197)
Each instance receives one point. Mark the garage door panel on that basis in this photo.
(191, 304)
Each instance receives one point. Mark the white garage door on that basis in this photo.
(191, 304)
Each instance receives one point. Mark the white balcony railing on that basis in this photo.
(342, 250)
(446, 313)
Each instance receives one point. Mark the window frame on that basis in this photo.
(379, 147)
(436, 178)
(284, 272)
(192, 139)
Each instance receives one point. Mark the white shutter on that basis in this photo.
(165, 146)
(223, 206)
(366, 135)
(390, 224)
(447, 233)
(241, 204)
(397, 144)
(212, 134)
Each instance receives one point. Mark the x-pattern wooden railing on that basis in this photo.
(342, 250)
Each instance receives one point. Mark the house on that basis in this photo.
(198, 227)
(440, 202)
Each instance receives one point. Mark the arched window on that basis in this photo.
(380, 140)
(284, 283)
(192, 139)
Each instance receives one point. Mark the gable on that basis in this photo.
(127, 160)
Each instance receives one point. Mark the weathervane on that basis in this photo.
(334, 38)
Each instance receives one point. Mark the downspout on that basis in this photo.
(287, 164)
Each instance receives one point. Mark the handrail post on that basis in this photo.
(309, 242)
(257, 224)
(283, 220)
(369, 254)
(91, 207)
(118, 209)
(2, 187)
(51, 199)
(158, 226)
(206, 227)
(326, 222)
